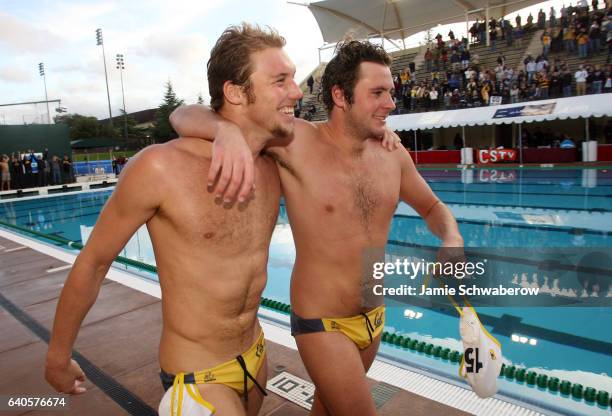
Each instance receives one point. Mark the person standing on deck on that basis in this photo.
(341, 190)
(211, 339)
(5, 174)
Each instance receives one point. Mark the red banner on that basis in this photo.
(496, 155)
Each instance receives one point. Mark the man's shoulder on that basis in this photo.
(153, 158)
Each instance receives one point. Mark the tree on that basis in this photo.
(200, 99)
(162, 130)
(136, 136)
(81, 127)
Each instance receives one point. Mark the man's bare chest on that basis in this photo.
(356, 193)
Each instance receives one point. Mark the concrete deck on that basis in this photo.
(120, 336)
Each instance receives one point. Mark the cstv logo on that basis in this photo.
(472, 363)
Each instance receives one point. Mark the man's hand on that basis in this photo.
(451, 250)
(232, 163)
(66, 378)
(390, 140)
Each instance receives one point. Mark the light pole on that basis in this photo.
(121, 67)
(41, 70)
(100, 42)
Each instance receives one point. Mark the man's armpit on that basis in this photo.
(282, 163)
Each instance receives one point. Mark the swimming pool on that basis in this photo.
(502, 208)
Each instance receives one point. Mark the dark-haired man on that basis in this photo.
(211, 257)
(341, 190)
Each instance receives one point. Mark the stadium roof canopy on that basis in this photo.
(398, 19)
(597, 105)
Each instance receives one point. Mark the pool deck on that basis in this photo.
(115, 346)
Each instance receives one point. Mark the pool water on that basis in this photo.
(501, 209)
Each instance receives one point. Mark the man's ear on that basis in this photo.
(234, 94)
(338, 97)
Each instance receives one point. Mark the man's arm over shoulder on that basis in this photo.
(196, 121)
(415, 192)
(134, 201)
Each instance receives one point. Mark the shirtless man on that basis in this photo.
(211, 257)
(5, 174)
(341, 189)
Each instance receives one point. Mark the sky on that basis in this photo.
(161, 40)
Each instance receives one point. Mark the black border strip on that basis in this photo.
(131, 403)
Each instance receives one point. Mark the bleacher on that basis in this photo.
(487, 60)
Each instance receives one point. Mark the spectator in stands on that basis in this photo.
(530, 68)
(428, 60)
(397, 86)
(474, 32)
(404, 79)
(541, 63)
(564, 19)
(594, 39)
(518, 32)
(541, 19)
(508, 32)
(581, 77)
(484, 92)
(455, 60)
(482, 30)
(406, 93)
(447, 98)
(598, 80)
(414, 97)
(569, 39)
(444, 58)
(583, 44)
(465, 59)
(514, 93)
(529, 23)
(552, 17)
(566, 82)
(543, 84)
(493, 39)
(546, 41)
(5, 174)
(608, 84)
(476, 59)
(310, 83)
(433, 97)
